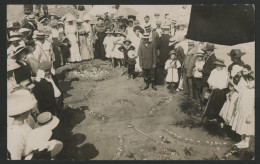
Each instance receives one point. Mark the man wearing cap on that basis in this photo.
(99, 30)
(12, 27)
(146, 21)
(164, 49)
(188, 66)
(209, 58)
(235, 55)
(147, 60)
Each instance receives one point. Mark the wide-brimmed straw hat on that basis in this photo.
(220, 62)
(236, 53)
(23, 30)
(20, 50)
(47, 120)
(20, 102)
(11, 64)
(209, 46)
(14, 39)
(127, 40)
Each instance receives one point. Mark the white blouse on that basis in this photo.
(218, 79)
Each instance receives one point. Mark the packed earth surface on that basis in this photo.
(108, 117)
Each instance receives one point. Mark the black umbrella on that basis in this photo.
(225, 24)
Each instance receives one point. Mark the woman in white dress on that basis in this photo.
(109, 45)
(71, 31)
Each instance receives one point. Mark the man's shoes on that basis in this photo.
(146, 86)
(154, 88)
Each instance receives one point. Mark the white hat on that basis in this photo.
(86, 17)
(20, 102)
(14, 39)
(45, 120)
(11, 64)
(55, 147)
(24, 30)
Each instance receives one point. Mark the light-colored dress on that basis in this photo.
(172, 75)
(117, 43)
(136, 40)
(84, 51)
(228, 109)
(244, 109)
(90, 38)
(108, 41)
(71, 31)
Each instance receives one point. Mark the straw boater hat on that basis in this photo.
(31, 17)
(60, 22)
(14, 39)
(20, 102)
(41, 35)
(220, 62)
(11, 64)
(20, 50)
(16, 34)
(145, 36)
(172, 52)
(127, 40)
(47, 120)
(209, 46)
(236, 53)
(24, 30)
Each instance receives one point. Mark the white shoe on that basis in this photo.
(177, 90)
(240, 143)
(244, 145)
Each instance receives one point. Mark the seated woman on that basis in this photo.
(46, 92)
(218, 83)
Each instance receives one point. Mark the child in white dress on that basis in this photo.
(116, 54)
(109, 45)
(172, 66)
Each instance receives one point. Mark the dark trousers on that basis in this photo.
(149, 75)
(131, 69)
(187, 84)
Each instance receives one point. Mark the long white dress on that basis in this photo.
(136, 40)
(108, 41)
(244, 109)
(70, 31)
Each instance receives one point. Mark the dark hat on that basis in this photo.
(147, 16)
(130, 20)
(220, 62)
(45, 66)
(127, 40)
(20, 50)
(209, 46)
(172, 52)
(14, 25)
(236, 53)
(132, 17)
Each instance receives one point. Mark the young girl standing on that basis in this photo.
(172, 66)
(109, 45)
(117, 54)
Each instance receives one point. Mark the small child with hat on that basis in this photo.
(172, 65)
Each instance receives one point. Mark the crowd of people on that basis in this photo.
(155, 50)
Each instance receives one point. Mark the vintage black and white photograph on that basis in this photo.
(130, 82)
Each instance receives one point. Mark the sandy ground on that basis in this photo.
(102, 108)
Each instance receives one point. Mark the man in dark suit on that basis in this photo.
(147, 59)
(209, 58)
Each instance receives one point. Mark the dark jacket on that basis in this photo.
(240, 63)
(125, 51)
(207, 68)
(44, 94)
(147, 55)
(22, 73)
(189, 62)
(164, 49)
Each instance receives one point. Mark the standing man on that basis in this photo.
(173, 27)
(153, 35)
(209, 65)
(99, 30)
(31, 24)
(164, 50)
(146, 21)
(147, 59)
(188, 66)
